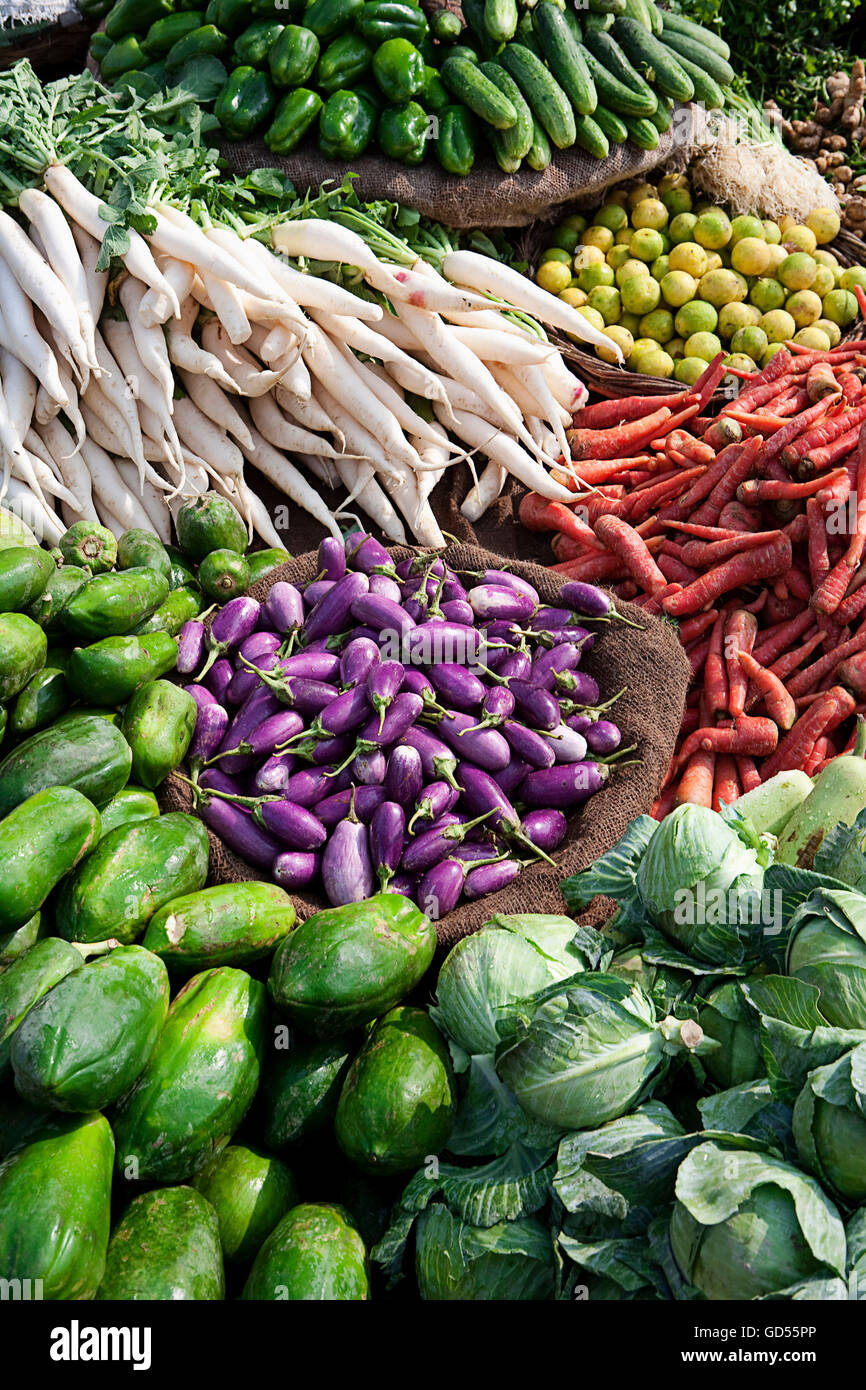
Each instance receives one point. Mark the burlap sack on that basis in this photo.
(647, 660)
(487, 197)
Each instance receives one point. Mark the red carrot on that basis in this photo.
(741, 630)
(539, 514)
(726, 787)
(715, 678)
(625, 542)
(777, 701)
(798, 583)
(787, 664)
(850, 386)
(819, 558)
(696, 783)
(832, 590)
(795, 747)
(852, 673)
(566, 549)
(774, 490)
(664, 803)
(822, 751)
(820, 458)
(703, 533)
(778, 639)
(805, 680)
(681, 510)
(726, 489)
(593, 569)
(756, 737)
(735, 516)
(615, 443)
(744, 569)
(611, 414)
(692, 628)
(750, 777)
(649, 498)
(697, 655)
(703, 554)
(674, 570)
(830, 428)
(695, 450)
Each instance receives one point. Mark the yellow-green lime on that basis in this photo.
(840, 306)
(742, 361)
(750, 255)
(554, 276)
(676, 347)
(678, 287)
(640, 294)
(771, 231)
(555, 253)
(802, 237)
(646, 244)
(688, 256)
(771, 352)
(688, 369)
(804, 307)
(676, 200)
(657, 363)
(641, 347)
(573, 296)
(720, 287)
(797, 271)
(619, 195)
(602, 237)
(639, 192)
(593, 275)
(714, 261)
(658, 325)
(672, 180)
(682, 227)
(568, 238)
(752, 341)
(696, 317)
(630, 322)
(575, 220)
(592, 315)
(649, 212)
(746, 226)
(767, 294)
(623, 236)
(587, 255)
(833, 331)
(629, 268)
(778, 325)
(713, 229)
(825, 224)
(812, 337)
(605, 298)
(737, 315)
(704, 345)
(853, 275)
(611, 215)
(617, 256)
(621, 337)
(824, 281)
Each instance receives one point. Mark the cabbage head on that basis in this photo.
(827, 948)
(454, 1261)
(830, 1125)
(727, 1017)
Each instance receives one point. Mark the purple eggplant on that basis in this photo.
(201, 695)
(486, 747)
(414, 609)
(538, 707)
(568, 746)
(579, 686)
(385, 587)
(382, 614)
(331, 559)
(296, 869)
(482, 795)
(368, 769)
(259, 643)
(387, 828)
(404, 884)
(210, 729)
(190, 647)
(458, 610)
(545, 619)
(382, 686)
(563, 657)
(496, 707)
(436, 641)
(603, 737)
(403, 778)
(510, 581)
(431, 847)
(316, 666)
(347, 869)
(309, 786)
(332, 613)
(316, 590)
(271, 779)
(437, 760)
(432, 802)
(357, 661)
(586, 598)
(439, 891)
(546, 828)
(457, 686)
(244, 681)
(364, 553)
(416, 683)
(232, 624)
(238, 830)
(328, 752)
(214, 779)
(514, 666)
(490, 878)
(469, 853)
(292, 825)
(529, 746)
(343, 714)
(302, 693)
(261, 705)
(449, 818)
(283, 609)
(401, 571)
(566, 784)
(273, 733)
(492, 602)
(397, 723)
(579, 722)
(335, 808)
(453, 591)
(554, 636)
(511, 777)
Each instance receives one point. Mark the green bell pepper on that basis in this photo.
(371, 95)
(245, 102)
(127, 55)
(454, 146)
(445, 26)
(100, 43)
(231, 16)
(434, 96)
(294, 55)
(164, 34)
(328, 18)
(343, 62)
(207, 39)
(135, 16)
(402, 132)
(292, 119)
(251, 48)
(398, 68)
(391, 19)
(346, 124)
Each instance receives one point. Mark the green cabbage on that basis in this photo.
(457, 1262)
(827, 948)
(830, 1125)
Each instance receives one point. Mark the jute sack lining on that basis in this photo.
(648, 661)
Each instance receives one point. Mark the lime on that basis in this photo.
(833, 331)
(778, 325)
(804, 307)
(725, 257)
(742, 361)
(778, 254)
(639, 192)
(812, 337)
(657, 363)
(630, 322)
(678, 287)
(623, 237)
(567, 238)
(690, 257)
(660, 267)
(752, 341)
(641, 347)
(646, 244)
(617, 256)
(840, 306)
(714, 261)
(620, 196)
(719, 287)
(611, 215)
(704, 205)
(575, 220)
(750, 255)
(854, 275)
(666, 242)
(786, 221)
(797, 271)
(735, 316)
(824, 281)
(602, 237)
(621, 337)
(688, 369)
(676, 347)
(649, 212)
(672, 180)
(682, 227)
(605, 298)
(555, 253)
(593, 275)
(573, 296)
(553, 276)
(824, 257)
(713, 229)
(747, 227)
(771, 352)
(802, 237)
(677, 201)
(640, 294)
(771, 231)
(704, 345)
(825, 224)
(658, 325)
(629, 268)
(591, 315)
(587, 255)
(767, 295)
(696, 317)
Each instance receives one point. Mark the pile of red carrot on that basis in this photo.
(747, 530)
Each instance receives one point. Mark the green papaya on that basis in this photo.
(250, 1192)
(111, 670)
(314, 1254)
(28, 978)
(397, 1103)
(129, 805)
(158, 724)
(40, 841)
(210, 522)
(83, 1043)
(80, 751)
(199, 1082)
(130, 875)
(61, 588)
(300, 1089)
(14, 943)
(347, 965)
(55, 1208)
(231, 924)
(165, 1247)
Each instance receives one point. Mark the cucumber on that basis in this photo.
(648, 53)
(613, 7)
(500, 19)
(655, 16)
(707, 89)
(679, 24)
(507, 162)
(474, 14)
(591, 137)
(663, 118)
(595, 23)
(547, 101)
(614, 126)
(638, 11)
(469, 85)
(615, 95)
(642, 133)
(564, 57)
(516, 142)
(712, 63)
(539, 154)
(608, 52)
(526, 34)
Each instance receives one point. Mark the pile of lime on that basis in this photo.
(673, 280)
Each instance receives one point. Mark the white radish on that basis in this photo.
(157, 308)
(419, 515)
(63, 257)
(311, 292)
(149, 342)
(375, 503)
(422, 286)
(41, 518)
(107, 426)
(110, 490)
(435, 457)
(321, 468)
(185, 352)
(275, 343)
(295, 378)
(485, 492)
(83, 207)
(240, 364)
(491, 345)
(11, 446)
(344, 328)
(178, 236)
(72, 467)
(399, 333)
(568, 389)
(140, 383)
(19, 385)
(97, 280)
(19, 334)
(493, 277)
(116, 390)
(215, 405)
(151, 499)
(310, 413)
(260, 263)
(532, 378)
(286, 477)
(225, 301)
(208, 440)
(360, 444)
(41, 476)
(273, 426)
(498, 321)
(315, 239)
(45, 289)
(507, 452)
(392, 399)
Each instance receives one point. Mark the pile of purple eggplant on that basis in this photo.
(397, 727)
